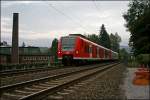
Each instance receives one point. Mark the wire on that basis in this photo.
(50, 5)
(97, 9)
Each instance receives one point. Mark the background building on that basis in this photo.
(27, 55)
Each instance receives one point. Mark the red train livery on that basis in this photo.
(77, 48)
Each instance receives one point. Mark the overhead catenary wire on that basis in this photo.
(97, 9)
(59, 11)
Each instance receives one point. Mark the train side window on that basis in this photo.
(81, 42)
(90, 49)
(105, 53)
(100, 51)
(95, 50)
(87, 48)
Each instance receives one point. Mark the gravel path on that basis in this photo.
(106, 86)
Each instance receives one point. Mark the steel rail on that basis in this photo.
(9, 87)
(50, 90)
(5, 89)
(24, 71)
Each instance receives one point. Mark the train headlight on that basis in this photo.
(77, 52)
(59, 52)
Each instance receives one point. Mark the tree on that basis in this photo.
(23, 44)
(104, 38)
(138, 23)
(94, 38)
(115, 41)
(123, 55)
(4, 43)
(54, 48)
(118, 40)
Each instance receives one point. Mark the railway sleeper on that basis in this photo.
(38, 86)
(55, 97)
(44, 84)
(23, 92)
(68, 90)
(62, 93)
(31, 89)
(10, 96)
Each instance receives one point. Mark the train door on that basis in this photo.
(110, 54)
(90, 51)
(104, 54)
(93, 51)
(101, 54)
(97, 52)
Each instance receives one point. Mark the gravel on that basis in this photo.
(30, 76)
(106, 85)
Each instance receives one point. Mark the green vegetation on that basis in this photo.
(104, 39)
(93, 37)
(23, 44)
(115, 42)
(123, 55)
(54, 49)
(127, 58)
(138, 23)
(111, 41)
(144, 59)
(132, 62)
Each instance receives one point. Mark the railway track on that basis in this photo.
(26, 76)
(40, 88)
(10, 73)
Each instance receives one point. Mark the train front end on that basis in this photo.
(66, 48)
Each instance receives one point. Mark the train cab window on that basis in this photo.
(68, 43)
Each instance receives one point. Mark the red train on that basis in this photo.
(78, 49)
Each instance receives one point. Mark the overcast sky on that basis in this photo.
(40, 22)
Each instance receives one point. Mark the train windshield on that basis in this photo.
(68, 43)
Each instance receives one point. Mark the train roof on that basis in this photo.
(78, 35)
(94, 43)
(86, 39)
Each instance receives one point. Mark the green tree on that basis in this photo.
(123, 55)
(23, 44)
(138, 23)
(115, 41)
(54, 49)
(104, 38)
(94, 38)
